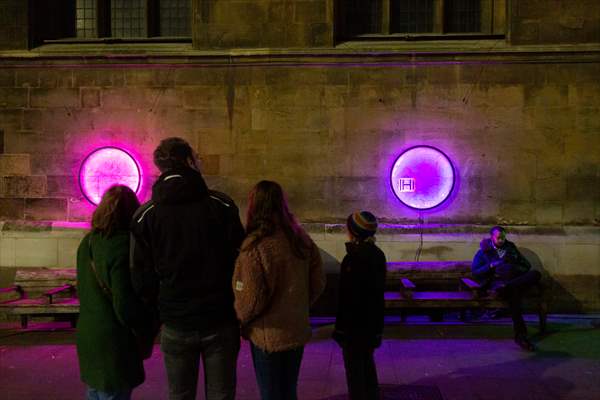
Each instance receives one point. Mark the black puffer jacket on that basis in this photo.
(359, 319)
(184, 245)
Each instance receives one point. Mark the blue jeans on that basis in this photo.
(218, 349)
(277, 372)
(93, 394)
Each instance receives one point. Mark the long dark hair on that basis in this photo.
(115, 210)
(267, 212)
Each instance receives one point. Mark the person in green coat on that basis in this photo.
(109, 360)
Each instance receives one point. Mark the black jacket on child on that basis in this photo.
(361, 304)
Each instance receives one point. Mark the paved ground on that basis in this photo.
(478, 362)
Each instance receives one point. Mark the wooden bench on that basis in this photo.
(44, 292)
(443, 285)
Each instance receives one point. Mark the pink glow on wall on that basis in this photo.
(422, 177)
(105, 167)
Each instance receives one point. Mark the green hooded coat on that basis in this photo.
(108, 356)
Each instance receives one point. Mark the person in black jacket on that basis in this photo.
(503, 270)
(184, 245)
(359, 320)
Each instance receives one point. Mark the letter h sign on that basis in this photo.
(406, 185)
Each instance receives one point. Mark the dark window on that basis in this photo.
(411, 16)
(404, 19)
(72, 20)
(462, 16)
(175, 18)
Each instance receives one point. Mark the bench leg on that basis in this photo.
(24, 321)
(403, 316)
(543, 314)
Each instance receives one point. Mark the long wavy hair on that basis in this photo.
(267, 212)
(115, 210)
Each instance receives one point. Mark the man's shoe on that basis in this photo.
(524, 343)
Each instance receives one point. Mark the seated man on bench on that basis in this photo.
(505, 273)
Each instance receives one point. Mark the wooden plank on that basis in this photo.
(10, 293)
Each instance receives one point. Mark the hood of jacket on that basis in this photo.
(178, 186)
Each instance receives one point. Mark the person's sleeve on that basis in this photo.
(249, 286)
(340, 333)
(129, 309)
(480, 266)
(317, 279)
(380, 298)
(144, 278)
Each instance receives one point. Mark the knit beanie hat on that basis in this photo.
(362, 224)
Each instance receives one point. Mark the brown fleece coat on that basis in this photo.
(273, 291)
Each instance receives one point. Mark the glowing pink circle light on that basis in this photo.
(422, 177)
(105, 167)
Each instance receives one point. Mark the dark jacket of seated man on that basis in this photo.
(499, 266)
(498, 263)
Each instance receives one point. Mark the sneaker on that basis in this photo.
(524, 343)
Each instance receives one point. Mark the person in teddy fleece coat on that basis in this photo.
(278, 276)
(504, 272)
(359, 320)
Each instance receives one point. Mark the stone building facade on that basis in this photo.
(276, 90)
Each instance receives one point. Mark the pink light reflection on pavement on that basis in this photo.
(105, 167)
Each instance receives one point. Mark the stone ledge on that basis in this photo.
(350, 53)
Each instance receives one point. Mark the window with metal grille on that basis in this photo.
(128, 18)
(109, 20)
(86, 19)
(175, 18)
(420, 19)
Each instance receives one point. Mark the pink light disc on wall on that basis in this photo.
(422, 177)
(105, 167)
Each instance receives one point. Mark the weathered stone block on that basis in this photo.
(14, 164)
(63, 186)
(102, 77)
(90, 97)
(46, 209)
(548, 213)
(25, 78)
(13, 97)
(204, 97)
(579, 212)
(310, 11)
(42, 252)
(32, 143)
(12, 209)
(56, 78)
(59, 97)
(7, 78)
(550, 189)
(209, 164)
(24, 186)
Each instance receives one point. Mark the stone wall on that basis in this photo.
(262, 24)
(520, 134)
(262, 93)
(555, 21)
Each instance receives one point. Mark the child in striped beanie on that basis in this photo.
(359, 319)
